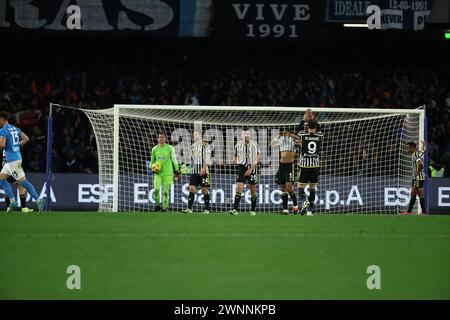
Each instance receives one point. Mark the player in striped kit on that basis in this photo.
(309, 164)
(286, 172)
(418, 175)
(247, 156)
(201, 158)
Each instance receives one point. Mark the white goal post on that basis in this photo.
(364, 165)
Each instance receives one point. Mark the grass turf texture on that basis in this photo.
(218, 256)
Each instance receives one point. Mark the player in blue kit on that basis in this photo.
(11, 139)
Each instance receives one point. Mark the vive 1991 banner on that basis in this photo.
(270, 19)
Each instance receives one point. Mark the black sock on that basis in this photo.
(285, 198)
(301, 194)
(7, 201)
(293, 197)
(312, 197)
(412, 201)
(191, 199)
(206, 199)
(253, 203)
(23, 201)
(422, 205)
(237, 199)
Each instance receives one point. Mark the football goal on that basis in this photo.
(364, 167)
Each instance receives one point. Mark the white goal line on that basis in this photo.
(226, 235)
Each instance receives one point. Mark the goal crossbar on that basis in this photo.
(270, 108)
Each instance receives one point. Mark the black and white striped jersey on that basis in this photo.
(201, 155)
(286, 143)
(417, 157)
(246, 153)
(310, 150)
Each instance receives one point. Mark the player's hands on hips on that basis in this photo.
(248, 172)
(202, 172)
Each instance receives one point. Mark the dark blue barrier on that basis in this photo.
(335, 193)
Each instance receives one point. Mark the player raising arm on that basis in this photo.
(11, 139)
(164, 155)
(309, 164)
(418, 176)
(286, 173)
(246, 156)
(201, 158)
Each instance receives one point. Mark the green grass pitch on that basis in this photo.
(218, 256)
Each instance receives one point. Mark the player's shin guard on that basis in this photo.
(237, 199)
(30, 188)
(301, 194)
(285, 198)
(412, 202)
(253, 203)
(293, 197)
(422, 205)
(206, 198)
(191, 198)
(312, 197)
(8, 190)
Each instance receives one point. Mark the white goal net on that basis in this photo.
(364, 167)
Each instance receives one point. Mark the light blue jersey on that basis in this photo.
(12, 147)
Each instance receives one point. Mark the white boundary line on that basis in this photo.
(226, 235)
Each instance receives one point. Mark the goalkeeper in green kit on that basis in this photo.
(163, 155)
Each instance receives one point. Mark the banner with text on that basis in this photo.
(167, 18)
(395, 14)
(270, 19)
(358, 194)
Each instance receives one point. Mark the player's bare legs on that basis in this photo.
(284, 198)
(206, 199)
(237, 197)
(421, 195)
(8, 190)
(23, 182)
(23, 199)
(412, 200)
(288, 192)
(253, 193)
(312, 196)
(191, 198)
(302, 197)
(415, 191)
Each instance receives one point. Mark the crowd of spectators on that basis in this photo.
(190, 79)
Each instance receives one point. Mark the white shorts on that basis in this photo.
(14, 169)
